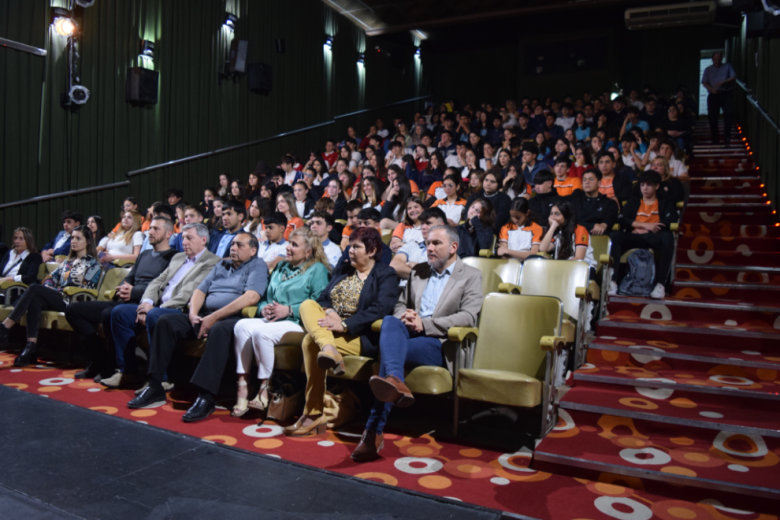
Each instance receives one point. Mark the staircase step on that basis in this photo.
(612, 350)
(731, 226)
(715, 243)
(758, 293)
(750, 335)
(725, 206)
(687, 256)
(715, 189)
(699, 457)
(725, 380)
(723, 311)
(721, 171)
(749, 416)
(734, 274)
(703, 198)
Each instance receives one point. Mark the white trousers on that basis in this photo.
(259, 336)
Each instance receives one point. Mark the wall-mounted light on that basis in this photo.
(231, 21)
(63, 22)
(329, 42)
(147, 49)
(361, 58)
(417, 52)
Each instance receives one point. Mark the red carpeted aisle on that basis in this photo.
(685, 391)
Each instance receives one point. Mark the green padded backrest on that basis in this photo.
(111, 280)
(495, 271)
(559, 278)
(42, 272)
(601, 245)
(510, 330)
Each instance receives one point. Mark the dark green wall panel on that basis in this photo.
(196, 113)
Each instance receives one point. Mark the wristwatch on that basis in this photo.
(344, 325)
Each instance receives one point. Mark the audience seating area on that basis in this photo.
(627, 404)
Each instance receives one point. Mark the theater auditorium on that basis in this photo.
(390, 259)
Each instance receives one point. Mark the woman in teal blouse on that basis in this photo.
(303, 276)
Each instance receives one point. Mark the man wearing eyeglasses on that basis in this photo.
(719, 80)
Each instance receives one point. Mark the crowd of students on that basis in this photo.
(304, 243)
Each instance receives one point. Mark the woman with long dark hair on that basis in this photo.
(398, 193)
(224, 184)
(566, 239)
(491, 183)
(514, 183)
(521, 237)
(98, 228)
(477, 232)
(80, 269)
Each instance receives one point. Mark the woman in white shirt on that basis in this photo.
(21, 263)
(125, 244)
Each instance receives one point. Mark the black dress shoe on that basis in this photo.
(149, 398)
(27, 357)
(90, 372)
(199, 410)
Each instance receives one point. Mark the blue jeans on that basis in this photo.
(123, 331)
(397, 349)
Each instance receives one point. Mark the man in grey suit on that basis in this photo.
(168, 293)
(442, 293)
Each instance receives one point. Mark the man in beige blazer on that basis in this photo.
(168, 293)
(442, 293)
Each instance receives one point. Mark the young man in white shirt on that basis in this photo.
(381, 130)
(395, 155)
(321, 224)
(274, 250)
(413, 253)
(566, 120)
(291, 175)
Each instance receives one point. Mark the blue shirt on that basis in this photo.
(223, 246)
(146, 245)
(713, 74)
(640, 124)
(432, 292)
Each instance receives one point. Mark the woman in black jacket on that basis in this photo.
(491, 183)
(477, 232)
(340, 322)
(21, 263)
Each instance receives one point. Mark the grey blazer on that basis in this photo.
(458, 306)
(187, 285)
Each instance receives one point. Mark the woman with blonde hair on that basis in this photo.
(126, 243)
(302, 276)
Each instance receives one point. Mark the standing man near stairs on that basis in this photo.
(719, 80)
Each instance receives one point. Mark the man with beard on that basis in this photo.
(442, 293)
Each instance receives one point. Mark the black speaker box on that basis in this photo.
(747, 6)
(141, 86)
(238, 53)
(260, 78)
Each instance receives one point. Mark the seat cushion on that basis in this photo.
(288, 356)
(500, 387)
(54, 320)
(429, 380)
(357, 368)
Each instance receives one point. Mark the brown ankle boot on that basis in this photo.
(368, 448)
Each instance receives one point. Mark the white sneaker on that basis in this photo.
(658, 293)
(613, 289)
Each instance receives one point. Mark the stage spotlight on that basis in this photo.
(417, 52)
(361, 58)
(231, 21)
(147, 49)
(78, 94)
(64, 23)
(329, 42)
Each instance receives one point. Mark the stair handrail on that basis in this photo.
(758, 107)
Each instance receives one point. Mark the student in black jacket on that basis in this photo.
(491, 183)
(596, 212)
(21, 263)
(645, 224)
(546, 197)
(86, 317)
(339, 322)
(477, 232)
(612, 184)
(671, 187)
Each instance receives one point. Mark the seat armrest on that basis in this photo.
(485, 253)
(674, 227)
(376, 326)
(122, 263)
(584, 293)
(460, 334)
(680, 205)
(109, 295)
(249, 312)
(552, 343)
(605, 260)
(615, 227)
(9, 284)
(510, 288)
(73, 291)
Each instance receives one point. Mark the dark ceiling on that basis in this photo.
(392, 16)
